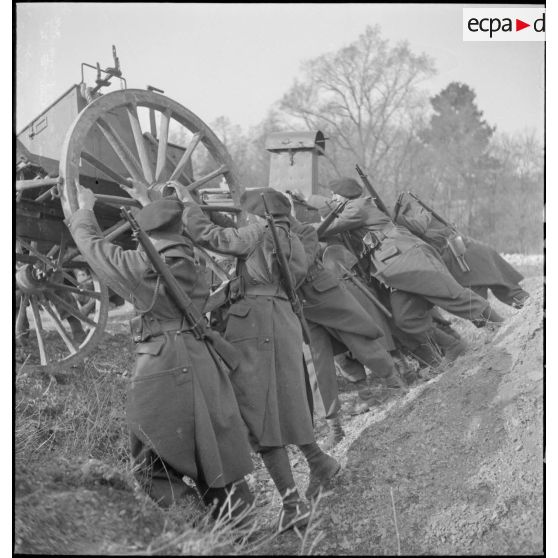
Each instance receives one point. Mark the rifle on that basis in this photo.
(333, 214)
(455, 242)
(285, 272)
(215, 344)
(379, 203)
(353, 278)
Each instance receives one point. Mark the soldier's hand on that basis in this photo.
(85, 197)
(137, 190)
(181, 191)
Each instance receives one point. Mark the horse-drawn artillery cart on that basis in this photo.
(98, 140)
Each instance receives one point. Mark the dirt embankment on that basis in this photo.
(458, 463)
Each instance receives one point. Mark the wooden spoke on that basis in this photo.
(163, 141)
(22, 185)
(170, 162)
(39, 331)
(102, 167)
(46, 261)
(121, 149)
(186, 156)
(53, 297)
(59, 327)
(22, 312)
(76, 290)
(61, 249)
(201, 181)
(132, 111)
(117, 200)
(152, 124)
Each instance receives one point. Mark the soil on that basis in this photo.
(454, 467)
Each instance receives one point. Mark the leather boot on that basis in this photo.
(520, 300)
(350, 368)
(450, 346)
(295, 512)
(335, 434)
(427, 355)
(395, 381)
(405, 371)
(489, 316)
(323, 468)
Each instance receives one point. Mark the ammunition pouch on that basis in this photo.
(237, 289)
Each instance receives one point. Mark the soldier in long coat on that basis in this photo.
(181, 408)
(488, 270)
(270, 387)
(338, 322)
(418, 279)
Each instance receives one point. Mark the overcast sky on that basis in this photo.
(238, 59)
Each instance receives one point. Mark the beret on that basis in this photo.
(346, 187)
(277, 202)
(161, 215)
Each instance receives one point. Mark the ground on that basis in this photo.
(454, 467)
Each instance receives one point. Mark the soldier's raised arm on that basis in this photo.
(225, 240)
(120, 269)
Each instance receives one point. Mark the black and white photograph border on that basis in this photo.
(463, 462)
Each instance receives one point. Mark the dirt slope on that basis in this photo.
(462, 456)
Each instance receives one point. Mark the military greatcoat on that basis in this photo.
(180, 402)
(413, 270)
(269, 384)
(488, 270)
(337, 322)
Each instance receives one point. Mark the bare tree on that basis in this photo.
(365, 97)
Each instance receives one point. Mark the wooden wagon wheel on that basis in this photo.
(61, 308)
(107, 141)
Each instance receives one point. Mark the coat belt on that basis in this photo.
(265, 290)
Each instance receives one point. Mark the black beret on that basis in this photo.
(277, 202)
(161, 215)
(346, 187)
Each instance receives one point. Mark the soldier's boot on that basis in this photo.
(395, 381)
(350, 368)
(78, 333)
(335, 433)
(295, 512)
(450, 346)
(231, 503)
(323, 469)
(405, 371)
(489, 317)
(519, 300)
(427, 355)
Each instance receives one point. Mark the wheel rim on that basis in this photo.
(108, 140)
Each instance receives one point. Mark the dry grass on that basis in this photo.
(75, 487)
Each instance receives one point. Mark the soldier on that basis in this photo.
(270, 386)
(488, 270)
(416, 276)
(338, 322)
(181, 408)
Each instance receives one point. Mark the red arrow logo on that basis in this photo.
(519, 25)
